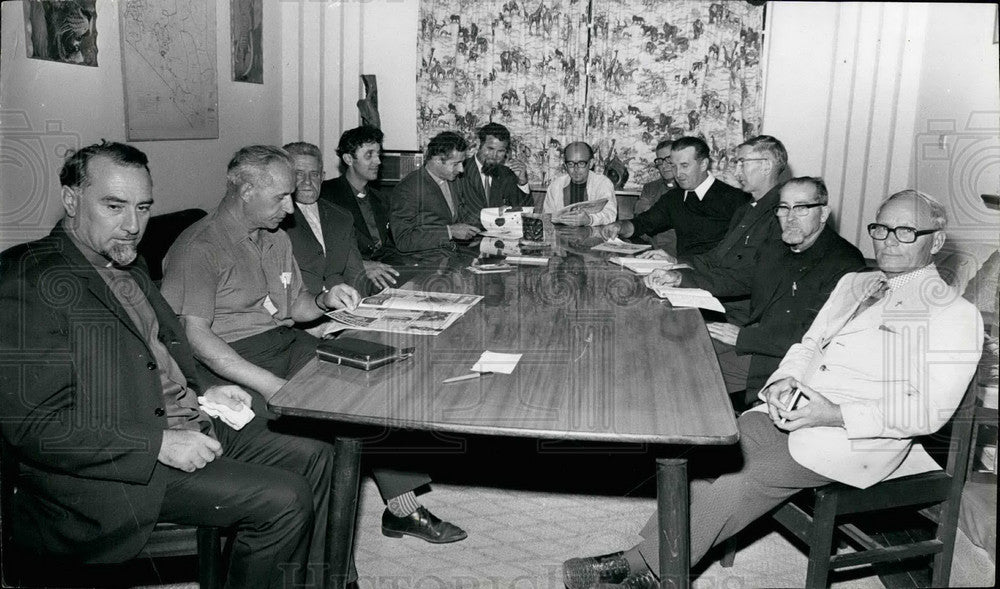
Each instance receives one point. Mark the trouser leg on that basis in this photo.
(270, 509)
(721, 508)
(392, 483)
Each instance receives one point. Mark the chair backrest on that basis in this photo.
(161, 231)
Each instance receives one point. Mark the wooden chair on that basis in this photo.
(935, 495)
(18, 569)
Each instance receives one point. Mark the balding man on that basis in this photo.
(699, 209)
(883, 363)
(580, 184)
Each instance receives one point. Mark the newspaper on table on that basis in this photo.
(642, 266)
(587, 206)
(404, 311)
(689, 297)
(617, 246)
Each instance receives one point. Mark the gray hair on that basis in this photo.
(765, 144)
(250, 163)
(303, 148)
(818, 185)
(939, 215)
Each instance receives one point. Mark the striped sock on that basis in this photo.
(403, 505)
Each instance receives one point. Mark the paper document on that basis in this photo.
(616, 245)
(689, 297)
(496, 362)
(528, 260)
(416, 300)
(643, 267)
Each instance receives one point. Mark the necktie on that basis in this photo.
(878, 291)
(487, 181)
(689, 196)
(446, 190)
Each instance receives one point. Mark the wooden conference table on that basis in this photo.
(603, 359)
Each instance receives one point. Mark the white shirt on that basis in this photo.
(311, 213)
(702, 189)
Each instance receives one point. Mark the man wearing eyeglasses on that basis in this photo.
(580, 184)
(760, 163)
(887, 359)
(787, 282)
(699, 209)
(653, 190)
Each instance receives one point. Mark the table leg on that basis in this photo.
(673, 514)
(343, 509)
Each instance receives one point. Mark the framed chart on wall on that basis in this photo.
(169, 70)
(396, 165)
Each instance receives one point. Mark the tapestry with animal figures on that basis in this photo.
(620, 74)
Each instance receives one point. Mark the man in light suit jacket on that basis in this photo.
(580, 184)
(887, 359)
(489, 178)
(425, 208)
(699, 209)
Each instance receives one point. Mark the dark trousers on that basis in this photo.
(721, 508)
(734, 367)
(284, 351)
(274, 490)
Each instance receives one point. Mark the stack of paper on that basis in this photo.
(689, 297)
(528, 260)
(643, 267)
(404, 311)
(618, 246)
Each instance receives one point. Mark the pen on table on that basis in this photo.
(468, 376)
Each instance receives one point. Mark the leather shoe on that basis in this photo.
(421, 524)
(583, 573)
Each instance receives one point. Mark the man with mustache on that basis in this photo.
(787, 282)
(489, 178)
(101, 402)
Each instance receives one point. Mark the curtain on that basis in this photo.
(619, 74)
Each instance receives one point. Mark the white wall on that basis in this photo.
(47, 107)
(325, 47)
(862, 94)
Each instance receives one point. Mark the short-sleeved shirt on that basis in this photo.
(216, 272)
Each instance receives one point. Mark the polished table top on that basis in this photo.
(603, 359)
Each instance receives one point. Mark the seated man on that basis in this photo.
(322, 234)
(580, 184)
(882, 363)
(760, 163)
(327, 256)
(787, 282)
(699, 209)
(489, 179)
(425, 209)
(360, 152)
(654, 189)
(100, 402)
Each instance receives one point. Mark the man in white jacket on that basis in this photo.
(887, 359)
(580, 184)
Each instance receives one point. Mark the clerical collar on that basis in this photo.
(358, 192)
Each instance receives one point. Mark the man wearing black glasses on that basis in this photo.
(887, 359)
(580, 184)
(787, 282)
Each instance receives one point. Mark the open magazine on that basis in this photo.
(404, 311)
(643, 266)
(587, 206)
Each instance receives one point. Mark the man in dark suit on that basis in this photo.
(788, 281)
(489, 179)
(760, 164)
(327, 255)
(360, 152)
(100, 402)
(699, 209)
(322, 234)
(425, 208)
